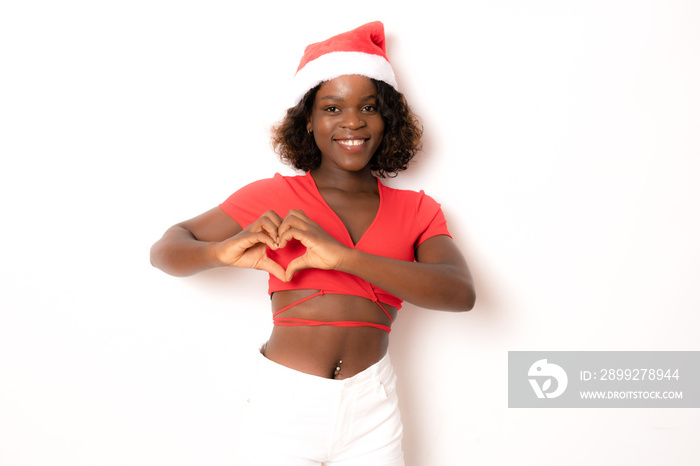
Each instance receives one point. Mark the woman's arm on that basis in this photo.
(439, 279)
(214, 239)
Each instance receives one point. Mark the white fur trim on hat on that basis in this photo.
(335, 64)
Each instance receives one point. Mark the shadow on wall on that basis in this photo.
(424, 345)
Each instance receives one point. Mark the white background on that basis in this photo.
(562, 139)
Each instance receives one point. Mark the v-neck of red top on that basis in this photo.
(317, 192)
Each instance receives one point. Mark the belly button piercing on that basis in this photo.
(337, 368)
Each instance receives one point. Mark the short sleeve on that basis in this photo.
(251, 201)
(430, 218)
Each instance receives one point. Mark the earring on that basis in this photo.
(308, 131)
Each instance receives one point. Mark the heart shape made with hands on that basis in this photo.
(298, 237)
(283, 256)
(279, 259)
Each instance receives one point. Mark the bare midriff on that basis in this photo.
(325, 350)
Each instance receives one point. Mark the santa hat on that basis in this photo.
(360, 51)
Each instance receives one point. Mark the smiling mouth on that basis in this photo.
(351, 142)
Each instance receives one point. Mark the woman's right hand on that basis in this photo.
(248, 249)
(214, 239)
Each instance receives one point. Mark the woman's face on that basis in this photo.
(345, 122)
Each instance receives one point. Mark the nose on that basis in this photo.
(352, 120)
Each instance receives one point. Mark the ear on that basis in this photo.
(309, 126)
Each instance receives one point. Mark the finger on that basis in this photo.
(268, 265)
(296, 265)
(270, 218)
(291, 233)
(285, 232)
(273, 215)
(252, 239)
(297, 213)
(233, 249)
(269, 227)
(296, 218)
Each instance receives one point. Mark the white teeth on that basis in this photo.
(352, 142)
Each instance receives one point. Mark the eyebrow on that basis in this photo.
(340, 99)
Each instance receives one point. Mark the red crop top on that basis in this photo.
(404, 220)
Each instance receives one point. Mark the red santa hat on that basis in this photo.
(360, 51)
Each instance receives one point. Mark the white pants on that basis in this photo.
(296, 419)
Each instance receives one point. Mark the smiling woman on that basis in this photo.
(401, 139)
(345, 123)
(343, 252)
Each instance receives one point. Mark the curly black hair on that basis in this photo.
(400, 143)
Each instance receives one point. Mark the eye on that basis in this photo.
(332, 109)
(369, 109)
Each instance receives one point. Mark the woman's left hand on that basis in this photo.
(322, 250)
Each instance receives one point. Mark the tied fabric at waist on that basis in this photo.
(298, 322)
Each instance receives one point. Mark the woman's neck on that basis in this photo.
(362, 181)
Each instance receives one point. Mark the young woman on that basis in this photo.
(342, 250)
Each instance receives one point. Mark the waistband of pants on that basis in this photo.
(281, 376)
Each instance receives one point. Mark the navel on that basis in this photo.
(336, 373)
